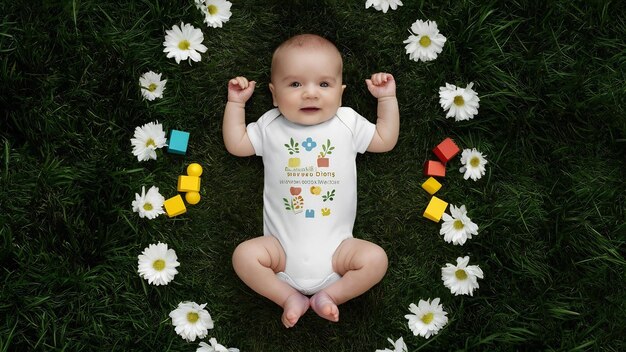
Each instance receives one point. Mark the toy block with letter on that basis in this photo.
(434, 168)
(431, 186)
(174, 206)
(446, 150)
(177, 144)
(435, 209)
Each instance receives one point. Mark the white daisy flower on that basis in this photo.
(151, 85)
(191, 320)
(147, 139)
(461, 279)
(460, 103)
(425, 41)
(216, 12)
(458, 228)
(398, 346)
(214, 347)
(149, 205)
(427, 318)
(184, 43)
(473, 164)
(383, 5)
(157, 264)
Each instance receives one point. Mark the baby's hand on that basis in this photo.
(381, 85)
(240, 90)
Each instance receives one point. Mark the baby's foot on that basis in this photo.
(324, 306)
(294, 307)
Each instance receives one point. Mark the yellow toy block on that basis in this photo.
(174, 206)
(188, 183)
(435, 209)
(431, 186)
(194, 169)
(192, 197)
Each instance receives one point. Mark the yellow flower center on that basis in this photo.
(152, 87)
(212, 9)
(460, 274)
(425, 41)
(458, 100)
(458, 224)
(158, 264)
(475, 161)
(184, 45)
(148, 206)
(427, 318)
(192, 317)
(150, 142)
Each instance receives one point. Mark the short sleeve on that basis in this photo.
(362, 130)
(256, 137)
(256, 130)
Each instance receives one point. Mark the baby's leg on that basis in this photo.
(256, 262)
(362, 265)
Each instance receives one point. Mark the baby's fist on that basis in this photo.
(381, 85)
(240, 89)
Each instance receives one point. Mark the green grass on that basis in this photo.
(551, 208)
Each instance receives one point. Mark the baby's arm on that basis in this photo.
(234, 131)
(383, 87)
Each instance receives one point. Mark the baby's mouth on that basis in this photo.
(309, 109)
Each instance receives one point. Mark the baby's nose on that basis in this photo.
(310, 92)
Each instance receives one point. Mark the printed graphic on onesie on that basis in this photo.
(314, 165)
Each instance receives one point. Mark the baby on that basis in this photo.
(309, 144)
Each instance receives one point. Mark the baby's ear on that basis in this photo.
(273, 95)
(343, 88)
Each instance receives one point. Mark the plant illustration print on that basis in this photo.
(330, 195)
(288, 204)
(326, 149)
(295, 204)
(293, 147)
(322, 160)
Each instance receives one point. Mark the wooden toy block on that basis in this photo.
(446, 150)
(431, 186)
(435, 209)
(434, 168)
(174, 206)
(188, 183)
(194, 169)
(177, 144)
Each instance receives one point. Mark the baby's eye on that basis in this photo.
(324, 84)
(295, 84)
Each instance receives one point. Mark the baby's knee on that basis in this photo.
(377, 258)
(255, 252)
(245, 252)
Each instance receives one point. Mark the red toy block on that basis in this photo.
(446, 150)
(434, 168)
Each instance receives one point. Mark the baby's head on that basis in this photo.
(306, 79)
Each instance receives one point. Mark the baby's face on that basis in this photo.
(306, 84)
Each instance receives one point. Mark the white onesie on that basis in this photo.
(309, 198)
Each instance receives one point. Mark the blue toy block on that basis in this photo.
(177, 144)
(309, 213)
